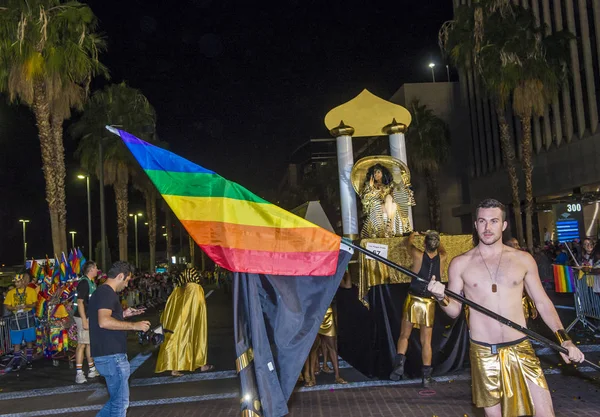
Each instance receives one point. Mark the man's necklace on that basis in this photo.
(492, 278)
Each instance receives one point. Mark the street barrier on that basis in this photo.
(5, 346)
(587, 302)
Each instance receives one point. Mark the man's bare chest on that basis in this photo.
(506, 275)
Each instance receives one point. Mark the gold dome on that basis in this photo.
(368, 115)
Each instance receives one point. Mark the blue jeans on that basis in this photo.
(115, 370)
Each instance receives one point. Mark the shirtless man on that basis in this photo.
(419, 308)
(502, 360)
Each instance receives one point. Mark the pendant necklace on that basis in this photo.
(493, 279)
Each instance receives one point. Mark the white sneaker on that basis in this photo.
(80, 378)
(93, 374)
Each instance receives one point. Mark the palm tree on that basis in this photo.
(117, 105)
(542, 74)
(428, 146)
(514, 61)
(493, 64)
(48, 55)
(142, 183)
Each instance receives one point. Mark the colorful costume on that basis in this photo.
(500, 372)
(186, 344)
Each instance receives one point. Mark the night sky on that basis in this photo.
(237, 86)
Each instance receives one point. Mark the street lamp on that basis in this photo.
(137, 255)
(24, 240)
(89, 204)
(432, 66)
(73, 238)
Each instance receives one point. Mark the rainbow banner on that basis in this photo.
(564, 278)
(80, 261)
(35, 270)
(238, 230)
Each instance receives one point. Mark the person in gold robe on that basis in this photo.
(185, 347)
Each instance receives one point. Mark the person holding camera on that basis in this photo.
(108, 337)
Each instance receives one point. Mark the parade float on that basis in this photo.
(373, 307)
(56, 282)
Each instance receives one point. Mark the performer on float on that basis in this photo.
(506, 374)
(185, 347)
(385, 202)
(419, 308)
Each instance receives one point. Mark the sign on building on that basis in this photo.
(569, 221)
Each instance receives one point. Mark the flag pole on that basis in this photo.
(547, 342)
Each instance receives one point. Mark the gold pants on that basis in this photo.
(328, 325)
(499, 373)
(420, 311)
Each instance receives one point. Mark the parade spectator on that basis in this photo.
(585, 259)
(561, 256)
(85, 289)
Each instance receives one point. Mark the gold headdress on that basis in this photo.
(397, 168)
(187, 275)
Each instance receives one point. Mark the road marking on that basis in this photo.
(100, 389)
(145, 403)
(228, 395)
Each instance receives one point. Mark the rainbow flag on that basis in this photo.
(80, 261)
(564, 278)
(47, 267)
(238, 230)
(72, 259)
(35, 270)
(56, 270)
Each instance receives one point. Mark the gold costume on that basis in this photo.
(499, 373)
(420, 311)
(376, 224)
(185, 315)
(328, 325)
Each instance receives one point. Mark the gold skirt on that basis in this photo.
(328, 325)
(499, 374)
(420, 311)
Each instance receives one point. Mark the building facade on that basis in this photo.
(565, 140)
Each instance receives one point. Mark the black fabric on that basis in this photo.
(278, 317)
(354, 331)
(103, 341)
(367, 338)
(83, 295)
(429, 267)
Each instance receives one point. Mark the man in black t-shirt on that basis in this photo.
(85, 289)
(108, 337)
